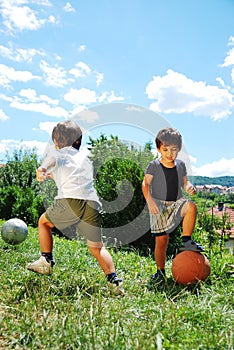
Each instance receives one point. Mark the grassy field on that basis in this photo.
(72, 309)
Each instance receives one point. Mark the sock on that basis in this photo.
(186, 239)
(110, 276)
(48, 256)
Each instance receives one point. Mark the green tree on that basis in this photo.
(119, 171)
(19, 191)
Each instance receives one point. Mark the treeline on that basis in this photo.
(118, 174)
(205, 180)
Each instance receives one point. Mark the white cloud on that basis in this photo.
(81, 97)
(81, 70)
(54, 76)
(81, 48)
(29, 101)
(88, 116)
(41, 107)
(193, 159)
(103, 97)
(3, 116)
(112, 97)
(52, 19)
(47, 127)
(9, 145)
(31, 95)
(9, 74)
(17, 15)
(231, 41)
(232, 75)
(229, 59)
(5, 98)
(19, 55)
(135, 109)
(99, 78)
(68, 8)
(222, 167)
(220, 81)
(27, 54)
(175, 93)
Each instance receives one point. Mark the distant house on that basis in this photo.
(229, 190)
(218, 189)
(222, 210)
(199, 188)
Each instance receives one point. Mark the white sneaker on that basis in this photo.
(116, 286)
(41, 266)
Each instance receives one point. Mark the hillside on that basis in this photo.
(221, 180)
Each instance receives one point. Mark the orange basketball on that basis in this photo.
(189, 267)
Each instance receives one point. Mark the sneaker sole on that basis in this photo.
(41, 272)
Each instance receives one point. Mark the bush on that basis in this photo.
(19, 191)
(119, 172)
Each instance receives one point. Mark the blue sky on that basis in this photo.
(173, 58)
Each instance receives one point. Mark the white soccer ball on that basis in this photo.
(14, 231)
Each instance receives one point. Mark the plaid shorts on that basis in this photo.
(66, 212)
(169, 217)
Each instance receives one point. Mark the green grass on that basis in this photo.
(72, 309)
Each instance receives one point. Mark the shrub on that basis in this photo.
(19, 190)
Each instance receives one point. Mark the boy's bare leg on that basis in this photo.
(189, 213)
(103, 257)
(44, 234)
(161, 243)
(105, 261)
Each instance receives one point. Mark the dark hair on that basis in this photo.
(67, 133)
(168, 136)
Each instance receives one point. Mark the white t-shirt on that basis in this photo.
(73, 174)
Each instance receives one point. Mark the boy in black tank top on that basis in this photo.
(162, 188)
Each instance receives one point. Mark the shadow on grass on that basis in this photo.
(173, 290)
(47, 287)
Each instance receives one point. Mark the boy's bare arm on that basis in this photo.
(188, 187)
(43, 172)
(153, 208)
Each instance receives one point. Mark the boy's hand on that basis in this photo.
(41, 174)
(190, 189)
(153, 208)
(50, 176)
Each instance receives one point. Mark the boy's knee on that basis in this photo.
(193, 206)
(95, 245)
(161, 241)
(95, 248)
(189, 208)
(44, 221)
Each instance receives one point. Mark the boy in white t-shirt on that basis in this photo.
(76, 202)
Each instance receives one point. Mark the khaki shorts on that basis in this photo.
(71, 211)
(169, 217)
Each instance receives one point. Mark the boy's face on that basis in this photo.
(168, 153)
